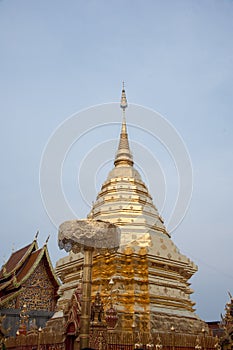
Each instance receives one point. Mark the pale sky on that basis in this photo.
(176, 57)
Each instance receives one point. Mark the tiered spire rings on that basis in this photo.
(123, 156)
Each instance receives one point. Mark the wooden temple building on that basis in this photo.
(28, 286)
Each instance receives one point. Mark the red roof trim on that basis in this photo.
(32, 263)
(16, 260)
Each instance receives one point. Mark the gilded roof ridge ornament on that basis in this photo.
(123, 156)
(36, 235)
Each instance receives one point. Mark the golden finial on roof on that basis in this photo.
(36, 235)
(4, 268)
(14, 280)
(123, 155)
(47, 239)
(124, 103)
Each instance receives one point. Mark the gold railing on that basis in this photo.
(102, 340)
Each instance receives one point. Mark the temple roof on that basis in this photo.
(20, 266)
(16, 260)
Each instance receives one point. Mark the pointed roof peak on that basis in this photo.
(124, 103)
(123, 156)
(36, 235)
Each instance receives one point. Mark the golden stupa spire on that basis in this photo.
(123, 156)
(124, 103)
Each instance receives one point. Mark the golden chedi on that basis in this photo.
(151, 287)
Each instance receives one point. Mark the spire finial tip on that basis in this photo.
(124, 103)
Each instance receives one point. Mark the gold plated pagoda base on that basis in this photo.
(149, 293)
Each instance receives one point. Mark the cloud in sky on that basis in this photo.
(176, 57)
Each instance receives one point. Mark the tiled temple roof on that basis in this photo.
(16, 260)
(20, 267)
